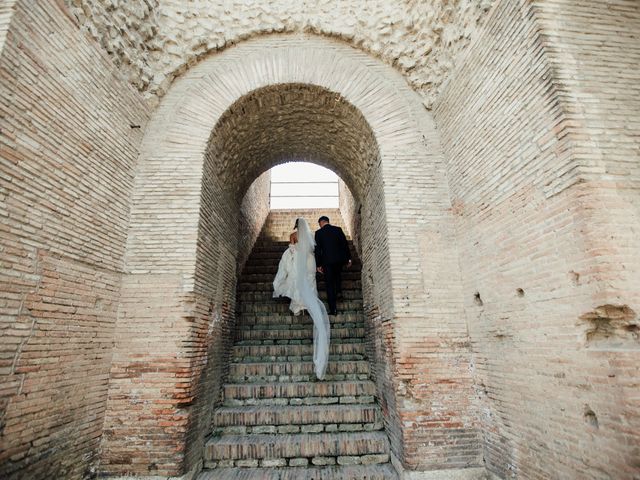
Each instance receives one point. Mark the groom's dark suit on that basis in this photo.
(332, 252)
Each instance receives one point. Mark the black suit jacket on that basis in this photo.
(331, 246)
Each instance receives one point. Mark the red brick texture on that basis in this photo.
(67, 156)
(536, 125)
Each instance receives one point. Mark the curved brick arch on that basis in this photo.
(182, 248)
(292, 122)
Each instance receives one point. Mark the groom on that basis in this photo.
(332, 252)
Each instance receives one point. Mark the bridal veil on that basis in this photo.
(305, 273)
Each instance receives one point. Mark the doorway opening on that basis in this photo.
(303, 185)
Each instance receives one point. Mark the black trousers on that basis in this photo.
(333, 281)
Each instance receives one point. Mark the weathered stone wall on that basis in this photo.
(595, 54)
(535, 126)
(350, 211)
(69, 136)
(432, 364)
(127, 30)
(254, 210)
(280, 222)
(153, 40)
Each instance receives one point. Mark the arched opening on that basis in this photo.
(287, 122)
(264, 128)
(297, 185)
(222, 125)
(281, 123)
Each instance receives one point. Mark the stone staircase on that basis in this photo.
(277, 421)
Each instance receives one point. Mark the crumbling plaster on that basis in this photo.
(152, 41)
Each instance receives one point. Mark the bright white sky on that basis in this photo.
(303, 185)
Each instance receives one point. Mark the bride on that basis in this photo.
(296, 279)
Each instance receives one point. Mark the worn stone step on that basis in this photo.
(249, 320)
(285, 391)
(267, 244)
(267, 296)
(273, 258)
(296, 371)
(296, 341)
(303, 445)
(276, 253)
(348, 281)
(353, 472)
(336, 321)
(294, 333)
(277, 307)
(344, 417)
(260, 266)
(291, 352)
(270, 267)
(347, 275)
(295, 358)
(265, 285)
(264, 290)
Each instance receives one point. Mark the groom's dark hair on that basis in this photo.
(323, 218)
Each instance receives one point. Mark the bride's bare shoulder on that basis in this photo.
(293, 238)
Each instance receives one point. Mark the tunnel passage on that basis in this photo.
(289, 122)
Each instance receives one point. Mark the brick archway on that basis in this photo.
(177, 296)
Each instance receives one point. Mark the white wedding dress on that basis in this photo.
(296, 279)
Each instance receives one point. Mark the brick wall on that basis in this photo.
(161, 398)
(533, 126)
(7, 9)
(67, 150)
(280, 223)
(253, 213)
(350, 211)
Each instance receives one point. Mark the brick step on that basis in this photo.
(296, 341)
(276, 251)
(251, 268)
(270, 353)
(249, 321)
(266, 289)
(289, 419)
(296, 371)
(265, 244)
(336, 324)
(302, 445)
(272, 260)
(346, 357)
(299, 393)
(296, 358)
(347, 275)
(277, 307)
(271, 253)
(270, 267)
(297, 333)
(355, 472)
(267, 295)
